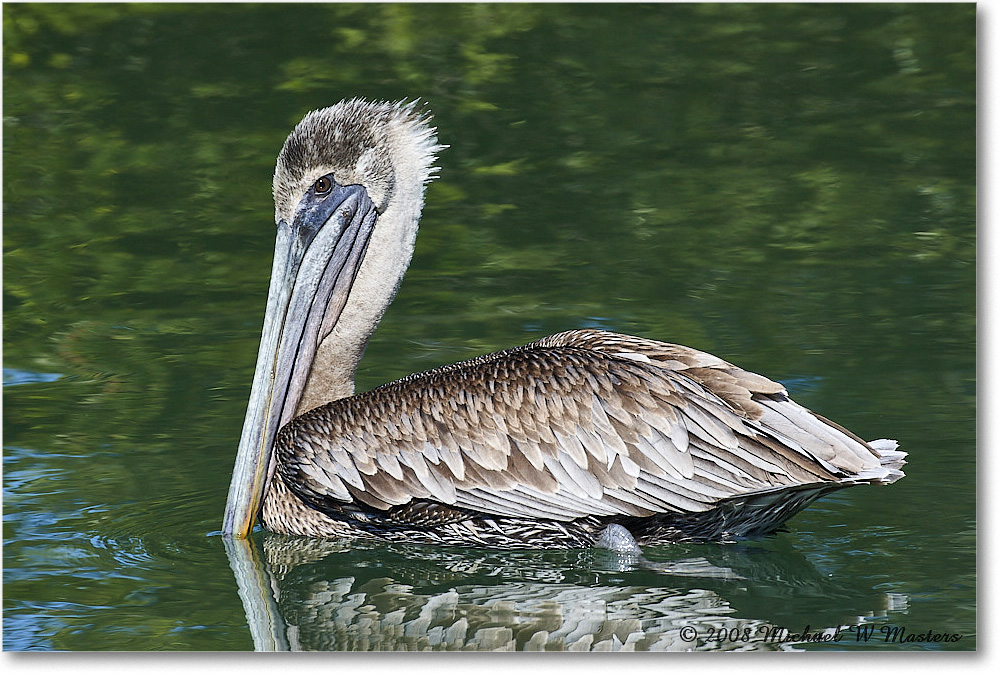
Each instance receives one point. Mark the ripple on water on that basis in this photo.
(13, 377)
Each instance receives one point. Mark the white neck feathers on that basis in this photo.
(389, 150)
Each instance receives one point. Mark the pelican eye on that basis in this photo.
(323, 186)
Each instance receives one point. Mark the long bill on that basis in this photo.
(316, 260)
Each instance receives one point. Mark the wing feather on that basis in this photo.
(578, 424)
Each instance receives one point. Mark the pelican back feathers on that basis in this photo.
(562, 437)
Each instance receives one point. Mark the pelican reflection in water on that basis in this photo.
(306, 594)
(581, 438)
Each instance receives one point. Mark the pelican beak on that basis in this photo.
(316, 259)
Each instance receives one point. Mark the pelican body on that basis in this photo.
(541, 446)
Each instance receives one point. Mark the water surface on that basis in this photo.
(790, 187)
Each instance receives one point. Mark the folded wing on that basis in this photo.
(583, 423)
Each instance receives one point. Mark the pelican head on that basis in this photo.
(348, 191)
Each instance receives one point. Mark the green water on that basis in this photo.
(790, 187)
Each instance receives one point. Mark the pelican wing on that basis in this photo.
(583, 423)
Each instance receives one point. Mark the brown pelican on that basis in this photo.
(546, 445)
